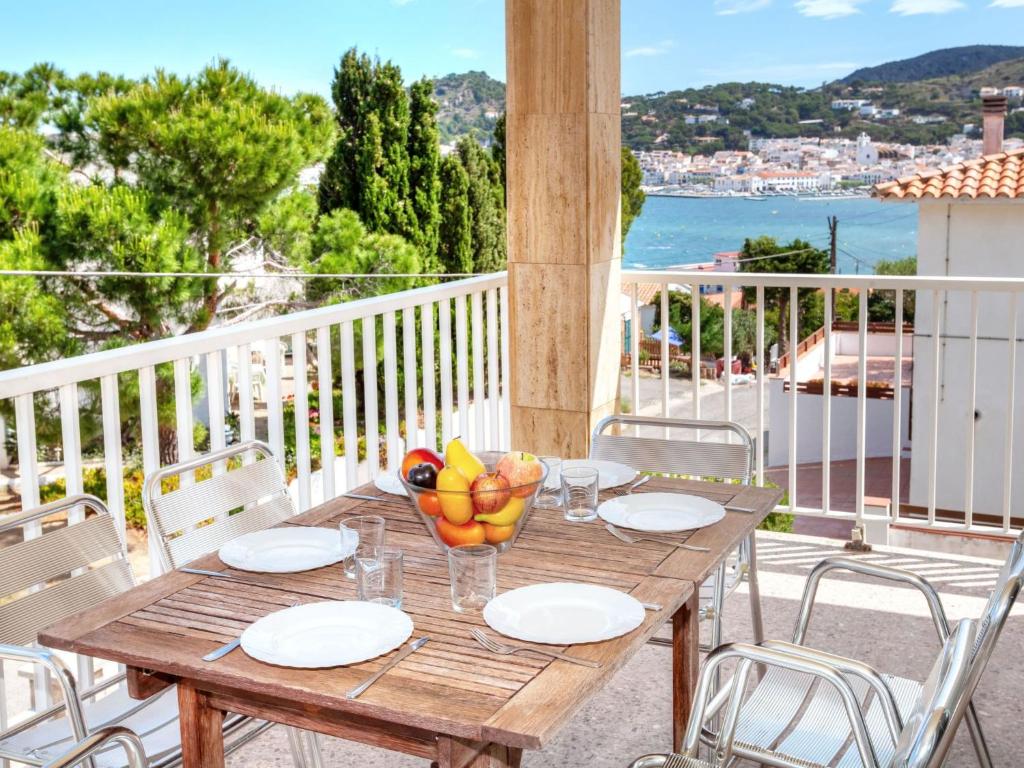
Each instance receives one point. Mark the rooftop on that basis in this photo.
(991, 176)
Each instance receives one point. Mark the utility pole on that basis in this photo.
(833, 232)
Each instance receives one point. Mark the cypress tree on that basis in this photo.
(487, 204)
(368, 171)
(424, 168)
(456, 225)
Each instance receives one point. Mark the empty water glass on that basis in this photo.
(473, 569)
(379, 576)
(579, 493)
(551, 493)
(370, 532)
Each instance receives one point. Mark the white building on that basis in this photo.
(849, 104)
(867, 152)
(971, 224)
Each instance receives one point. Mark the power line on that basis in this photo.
(90, 274)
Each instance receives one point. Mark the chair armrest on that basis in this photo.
(886, 573)
(855, 668)
(99, 741)
(747, 656)
(68, 687)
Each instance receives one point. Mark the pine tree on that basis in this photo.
(456, 227)
(633, 196)
(424, 169)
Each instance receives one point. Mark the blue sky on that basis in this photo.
(294, 44)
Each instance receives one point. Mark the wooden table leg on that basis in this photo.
(685, 665)
(202, 730)
(456, 753)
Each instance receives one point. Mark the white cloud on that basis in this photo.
(733, 7)
(919, 7)
(465, 53)
(657, 49)
(1006, 4)
(828, 9)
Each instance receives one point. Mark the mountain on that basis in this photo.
(941, 63)
(468, 105)
(702, 120)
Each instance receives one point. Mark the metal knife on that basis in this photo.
(365, 497)
(224, 650)
(359, 689)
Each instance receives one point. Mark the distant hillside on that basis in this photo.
(469, 105)
(942, 63)
(719, 116)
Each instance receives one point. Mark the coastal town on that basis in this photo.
(813, 166)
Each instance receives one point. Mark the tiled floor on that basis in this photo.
(886, 626)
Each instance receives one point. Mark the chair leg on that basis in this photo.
(756, 621)
(717, 606)
(305, 748)
(977, 737)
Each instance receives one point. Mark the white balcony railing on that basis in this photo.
(955, 424)
(251, 357)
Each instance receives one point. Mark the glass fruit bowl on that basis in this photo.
(494, 509)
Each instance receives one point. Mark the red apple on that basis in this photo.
(420, 456)
(490, 492)
(522, 470)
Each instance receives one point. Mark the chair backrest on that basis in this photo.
(929, 728)
(719, 449)
(47, 578)
(1000, 602)
(192, 520)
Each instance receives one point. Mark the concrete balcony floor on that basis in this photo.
(888, 627)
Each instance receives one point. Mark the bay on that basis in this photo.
(675, 231)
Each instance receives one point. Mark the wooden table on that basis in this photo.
(451, 702)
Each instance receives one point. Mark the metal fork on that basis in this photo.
(623, 536)
(504, 650)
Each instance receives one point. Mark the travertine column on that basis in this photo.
(563, 144)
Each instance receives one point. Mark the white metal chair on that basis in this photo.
(44, 580)
(852, 719)
(990, 624)
(104, 739)
(729, 458)
(194, 519)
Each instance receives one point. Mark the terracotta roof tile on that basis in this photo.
(991, 176)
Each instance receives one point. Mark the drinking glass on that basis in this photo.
(579, 493)
(379, 576)
(473, 569)
(370, 530)
(548, 496)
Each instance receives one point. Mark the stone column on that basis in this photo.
(564, 244)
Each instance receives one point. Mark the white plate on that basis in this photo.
(661, 512)
(610, 474)
(564, 614)
(287, 550)
(327, 634)
(389, 483)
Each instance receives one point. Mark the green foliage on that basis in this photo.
(368, 170)
(882, 304)
(632, 196)
(342, 245)
(764, 254)
(498, 150)
(424, 172)
(712, 326)
(942, 63)
(456, 231)
(216, 148)
(469, 103)
(487, 205)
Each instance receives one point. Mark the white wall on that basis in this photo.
(843, 426)
(979, 238)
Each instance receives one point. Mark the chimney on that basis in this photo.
(993, 112)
